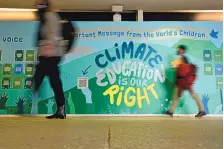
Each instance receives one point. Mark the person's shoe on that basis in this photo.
(55, 116)
(200, 114)
(62, 111)
(169, 113)
(60, 114)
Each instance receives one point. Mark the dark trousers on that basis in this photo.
(48, 66)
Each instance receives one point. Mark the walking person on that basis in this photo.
(186, 75)
(50, 55)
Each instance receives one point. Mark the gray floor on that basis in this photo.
(111, 133)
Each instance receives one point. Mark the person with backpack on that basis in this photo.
(52, 45)
(186, 76)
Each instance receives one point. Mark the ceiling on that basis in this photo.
(129, 5)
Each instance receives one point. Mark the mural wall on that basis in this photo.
(115, 68)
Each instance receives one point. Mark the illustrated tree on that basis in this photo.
(221, 97)
(49, 105)
(79, 100)
(70, 107)
(219, 108)
(35, 100)
(99, 100)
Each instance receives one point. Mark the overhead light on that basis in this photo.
(117, 16)
(17, 16)
(16, 9)
(208, 17)
(192, 11)
(117, 8)
(198, 11)
(188, 11)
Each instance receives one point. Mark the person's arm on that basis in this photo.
(176, 63)
(38, 36)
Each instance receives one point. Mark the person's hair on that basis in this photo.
(182, 47)
(48, 3)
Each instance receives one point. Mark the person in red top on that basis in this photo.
(186, 75)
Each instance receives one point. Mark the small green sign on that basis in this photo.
(208, 69)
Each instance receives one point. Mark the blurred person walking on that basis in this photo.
(48, 41)
(186, 76)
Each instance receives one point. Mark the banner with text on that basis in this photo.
(114, 68)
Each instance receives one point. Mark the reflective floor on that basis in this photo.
(111, 133)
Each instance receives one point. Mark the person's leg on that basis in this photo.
(39, 75)
(199, 103)
(175, 100)
(56, 84)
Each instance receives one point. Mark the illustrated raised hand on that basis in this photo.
(50, 106)
(35, 100)
(205, 100)
(20, 104)
(3, 99)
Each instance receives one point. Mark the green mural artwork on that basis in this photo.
(125, 74)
